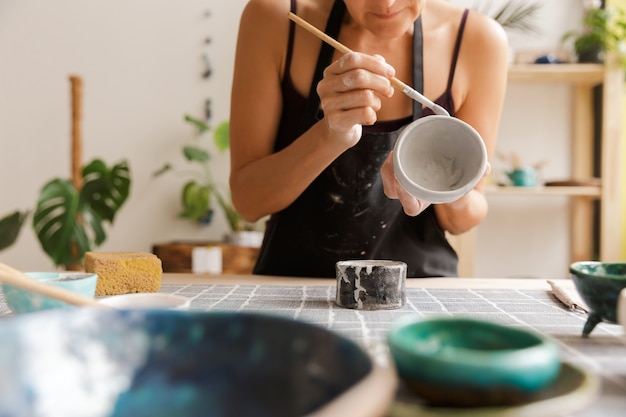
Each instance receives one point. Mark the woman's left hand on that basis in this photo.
(412, 206)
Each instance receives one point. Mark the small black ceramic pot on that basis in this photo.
(371, 284)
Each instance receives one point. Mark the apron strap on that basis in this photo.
(418, 65)
(333, 26)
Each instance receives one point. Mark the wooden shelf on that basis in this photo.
(542, 191)
(583, 78)
(590, 74)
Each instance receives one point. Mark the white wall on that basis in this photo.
(141, 64)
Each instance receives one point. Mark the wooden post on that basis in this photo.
(76, 84)
(77, 134)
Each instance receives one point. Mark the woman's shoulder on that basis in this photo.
(479, 27)
(265, 12)
(485, 29)
(269, 18)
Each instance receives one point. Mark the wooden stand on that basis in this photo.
(176, 256)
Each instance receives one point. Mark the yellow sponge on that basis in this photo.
(124, 272)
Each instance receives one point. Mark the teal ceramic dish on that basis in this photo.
(466, 362)
(23, 301)
(599, 285)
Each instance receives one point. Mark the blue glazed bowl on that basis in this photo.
(23, 301)
(466, 362)
(599, 285)
(158, 363)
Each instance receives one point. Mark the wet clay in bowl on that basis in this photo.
(599, 285)
(466, 362)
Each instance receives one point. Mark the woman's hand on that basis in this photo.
(413, 206)
(351, 92)
(392, 188)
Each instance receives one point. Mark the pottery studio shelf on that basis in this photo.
(583, 80)
(542, 191)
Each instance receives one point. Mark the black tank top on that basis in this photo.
(344, 213)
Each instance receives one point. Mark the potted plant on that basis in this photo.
(603, 32)
(518, 15)
(70, 213)
(200, 193)
(69, 222)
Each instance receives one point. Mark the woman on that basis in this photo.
(312, 130)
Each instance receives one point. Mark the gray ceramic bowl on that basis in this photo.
(20, 300)
(158, 363)
(466, 362)
(599, 285)
(439, 158)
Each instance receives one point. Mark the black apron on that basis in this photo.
(344, 214)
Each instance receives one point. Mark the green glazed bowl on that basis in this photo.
(20, 300)
(467, 362)
(599, 285)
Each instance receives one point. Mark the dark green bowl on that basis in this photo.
(467, 362)
(599, 285)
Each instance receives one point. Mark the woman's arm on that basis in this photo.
(483, 68)
(263, 182)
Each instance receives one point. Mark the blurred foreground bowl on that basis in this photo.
(599, 285)
(465, 362)
(122, 363)
(23, 301)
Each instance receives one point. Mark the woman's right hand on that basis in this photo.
(350, 94)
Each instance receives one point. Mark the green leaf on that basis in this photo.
(104, 190)
(222, 136)
(195, 153)
(198, 124)
(196, 200)
(69, 223)
(234, 219)
(165, 168)
(10, 227)
(57, 225)
(518, 16)
(97, 229)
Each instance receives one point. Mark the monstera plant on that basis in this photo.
(68, 221)
(71, 213)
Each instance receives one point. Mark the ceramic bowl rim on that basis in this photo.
(477, 355)
(543, 354)
(174, 301)
(44, 276)
(576, 269)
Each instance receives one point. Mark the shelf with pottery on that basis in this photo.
(582, 74)
(583, 78)
(574, 191)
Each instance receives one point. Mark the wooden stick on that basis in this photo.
(415, 95)
(77, 137)
(19, 279)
